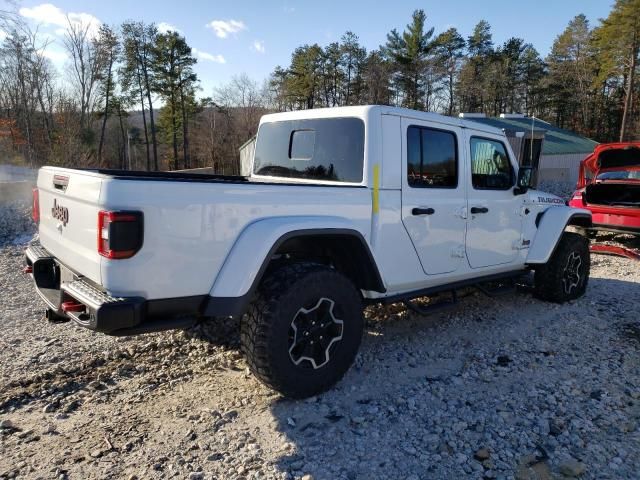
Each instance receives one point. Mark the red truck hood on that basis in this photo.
(613, 155)
(609, 156)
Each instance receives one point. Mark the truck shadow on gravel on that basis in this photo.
(470, 393)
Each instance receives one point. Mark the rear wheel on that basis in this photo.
(303, 330)
(566, 275)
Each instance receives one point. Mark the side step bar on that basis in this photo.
(452, 288)
(498, 291)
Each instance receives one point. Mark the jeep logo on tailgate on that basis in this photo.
(60, 213)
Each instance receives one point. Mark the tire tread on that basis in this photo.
(256, 331)
(548, 277)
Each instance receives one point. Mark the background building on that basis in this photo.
(557, 153)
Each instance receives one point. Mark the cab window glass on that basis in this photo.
(490, 165)
(432, 158)
(329, 149)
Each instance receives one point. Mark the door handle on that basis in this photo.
(422, 211)
(479, 210)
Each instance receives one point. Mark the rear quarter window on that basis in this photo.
(329, 149)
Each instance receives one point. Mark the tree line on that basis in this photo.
(129, 97)
(588, 83)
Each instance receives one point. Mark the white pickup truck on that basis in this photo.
(345, 207)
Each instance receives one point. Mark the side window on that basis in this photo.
(490, 166)
(432, 158)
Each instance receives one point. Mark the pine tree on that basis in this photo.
(353, 58)
(174, 79)
(137, 76)
(449, 49)
(108, 47)
(477, 68)
(618, 41)
(408, 53)
(304, 79)
(533, 72)
(377, 79)
(571, 75)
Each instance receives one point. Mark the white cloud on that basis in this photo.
(223, 28)
(56, 56)
(46, 13)
(49, 14)
(3, 35)
(288, 9)
(200, 55)
(258, 46)
(164, 27)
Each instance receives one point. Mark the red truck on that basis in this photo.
(609, 186)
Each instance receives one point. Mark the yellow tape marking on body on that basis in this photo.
(376, 189)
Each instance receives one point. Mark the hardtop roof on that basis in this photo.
(365, 111)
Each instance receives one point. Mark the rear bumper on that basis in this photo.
(617, 221)
(71, 295)
(623, 220)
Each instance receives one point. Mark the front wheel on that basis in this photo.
(303, 330)
(565, 276)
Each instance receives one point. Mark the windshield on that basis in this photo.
(619, 175)
(330, 149)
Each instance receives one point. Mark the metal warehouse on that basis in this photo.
(557, 153)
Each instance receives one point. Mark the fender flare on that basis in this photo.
(250, 255)
(551, 224)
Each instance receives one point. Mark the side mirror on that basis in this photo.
(525, 177)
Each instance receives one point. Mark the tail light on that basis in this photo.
(120, 234)
(35, 206)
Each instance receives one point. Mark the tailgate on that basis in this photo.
(69, 206)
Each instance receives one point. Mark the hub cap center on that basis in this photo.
(313, 332)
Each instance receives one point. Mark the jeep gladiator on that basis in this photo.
(344, 207)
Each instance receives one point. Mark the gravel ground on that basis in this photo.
(506, 387)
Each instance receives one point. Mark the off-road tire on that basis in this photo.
(550, 282)
(265, 330)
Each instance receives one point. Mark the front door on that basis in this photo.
(494, 227)
(433, 194)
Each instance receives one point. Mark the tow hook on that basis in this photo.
(54, 317)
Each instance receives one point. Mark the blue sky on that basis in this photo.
(252, 37)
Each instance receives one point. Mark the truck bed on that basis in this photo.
(191, 221)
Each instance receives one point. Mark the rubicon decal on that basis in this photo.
(559, 201)
(60, 213)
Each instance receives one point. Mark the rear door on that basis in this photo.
(69, 206)
(495, 214)
(433, 193)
